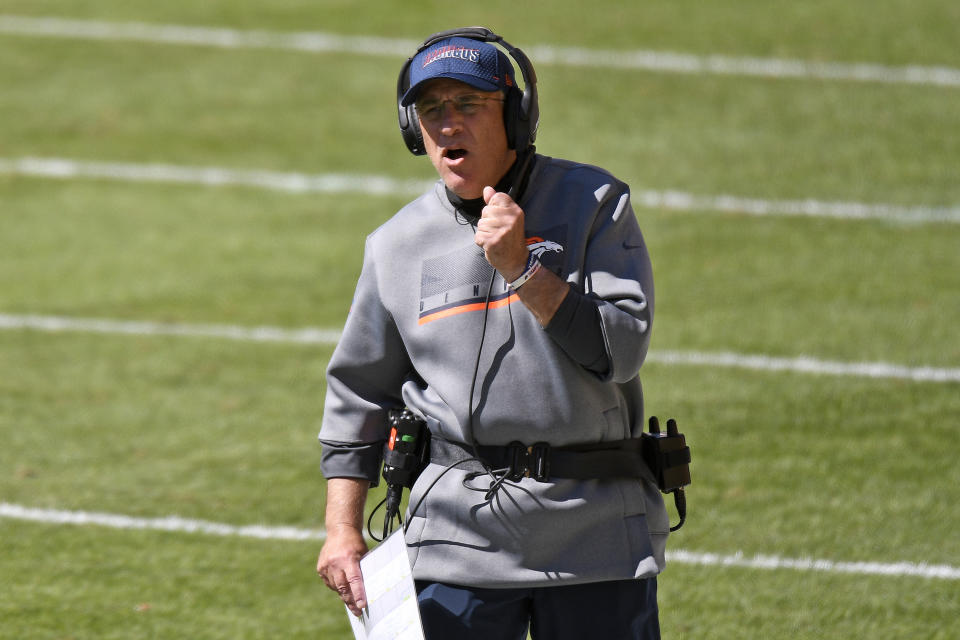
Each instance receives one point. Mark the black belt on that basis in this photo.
(600, 461)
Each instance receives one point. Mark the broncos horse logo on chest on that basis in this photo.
(538, 246)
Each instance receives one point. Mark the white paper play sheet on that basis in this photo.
(391, 611)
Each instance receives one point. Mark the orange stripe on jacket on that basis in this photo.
(475, 306)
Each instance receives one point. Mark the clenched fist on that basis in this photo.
(500, 233)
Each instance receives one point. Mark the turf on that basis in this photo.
(66, 582)
(261, 109)
(786, 464)
(905, 32)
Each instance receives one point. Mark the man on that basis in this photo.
(510, 307)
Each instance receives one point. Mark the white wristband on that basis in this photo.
(533, 265)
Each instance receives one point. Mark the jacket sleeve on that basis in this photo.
(364, 378)
(575, 326)
(618, 273)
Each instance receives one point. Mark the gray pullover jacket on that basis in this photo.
(412, 338)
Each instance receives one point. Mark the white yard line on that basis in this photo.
(331, 336)
(186, 525)
(806, 365)
(128, 327)
(660, 61)
(740, 560)
(679, 201)
(169, 523)
(67, 169)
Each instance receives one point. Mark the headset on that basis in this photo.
(521, 113)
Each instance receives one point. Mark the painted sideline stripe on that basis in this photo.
(660, 61)
(331, 336)
(265, 532)
(66, 169)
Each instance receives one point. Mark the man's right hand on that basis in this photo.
(339, 560)
(339, 566)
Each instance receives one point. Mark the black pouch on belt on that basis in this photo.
(667, 455)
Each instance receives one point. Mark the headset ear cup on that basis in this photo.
(513, 120)
(412, 134)
(407, 116)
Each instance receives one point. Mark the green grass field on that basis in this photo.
(788, 464)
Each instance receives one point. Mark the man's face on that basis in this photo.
(465, 138)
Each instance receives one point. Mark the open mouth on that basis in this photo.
(456, 154)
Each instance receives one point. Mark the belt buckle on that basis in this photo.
(529, 461)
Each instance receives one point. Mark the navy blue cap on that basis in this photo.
(479, 64)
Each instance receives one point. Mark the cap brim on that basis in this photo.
(477, 83)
